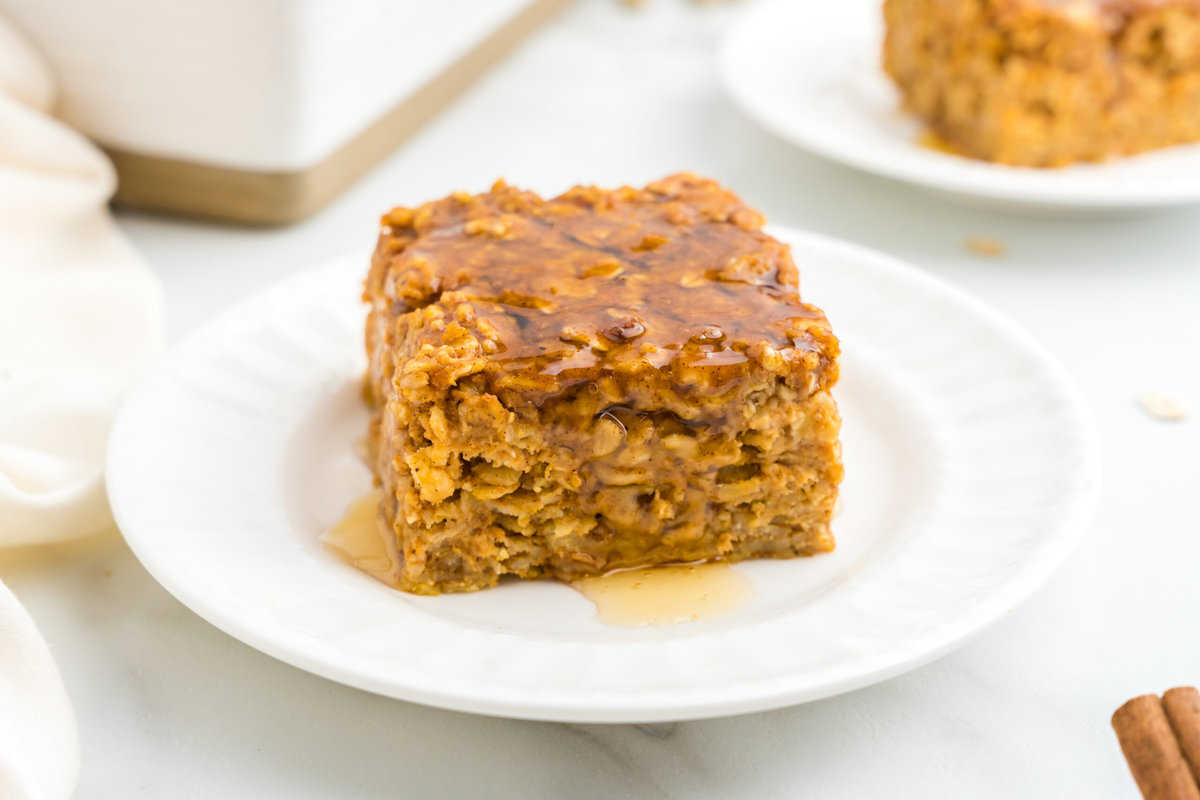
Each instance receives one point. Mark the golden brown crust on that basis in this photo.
(1048, 82)
(601, 380)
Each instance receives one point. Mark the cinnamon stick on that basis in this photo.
(1152, 751)
(1182, 706)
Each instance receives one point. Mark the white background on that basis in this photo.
(169, 706)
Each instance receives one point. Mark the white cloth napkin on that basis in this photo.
(39, 746)
(80, 316)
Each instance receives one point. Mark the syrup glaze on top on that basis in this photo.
(676, 278)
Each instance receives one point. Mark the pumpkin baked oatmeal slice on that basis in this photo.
(1048, 82)
(601, 380)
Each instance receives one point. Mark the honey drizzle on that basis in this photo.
(666, 595)
(359, 539)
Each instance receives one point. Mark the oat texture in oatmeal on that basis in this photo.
(1045, 83)
(605, 379)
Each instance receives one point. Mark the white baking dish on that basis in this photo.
(261, 93)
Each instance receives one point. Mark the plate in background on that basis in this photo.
(971, 471)
(812, 75)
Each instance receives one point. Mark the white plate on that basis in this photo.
(970, 473)
(811, 74)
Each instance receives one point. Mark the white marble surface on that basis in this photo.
(169, 706)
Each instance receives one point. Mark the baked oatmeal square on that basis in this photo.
(1046, 83)
(602, 380)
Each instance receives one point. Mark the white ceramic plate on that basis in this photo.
(970, 473)
(811, 74)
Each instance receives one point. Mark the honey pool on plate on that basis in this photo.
(664, 595)
(357, 538)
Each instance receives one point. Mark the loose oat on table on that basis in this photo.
(604, 379)
(1164, 406)
(986, 246)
